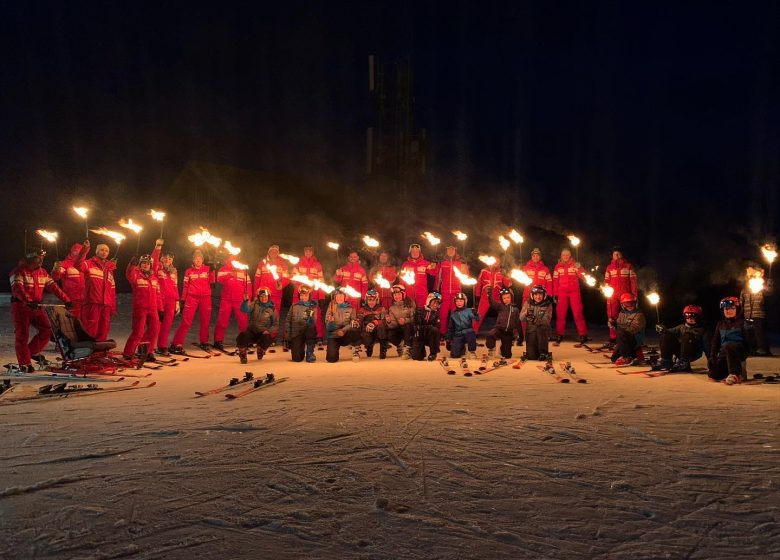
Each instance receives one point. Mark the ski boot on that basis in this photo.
(162, 352)
(29, 368)
(524, 358)
(218, 346)
(583, 339)
(310, 357)
(204, 346)
(464, 363)
(356, 353)
(432, 357)
(444, 362)
(382, 350)
(400, 349)
(662, 365)
(369, 351)
(407, 355)
(320, 344)
(502, 361)
(177, 349)
(609, 345)
(545, 357)
(260, 352)
(568, 368)
(41, 360)
(681, 366)
(549, 367)
(491, 353)
(242, 355)
(732, 379)
(150, 358)
(472, 355)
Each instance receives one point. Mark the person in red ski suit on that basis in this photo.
(168, 279)
(310, 266)
(196, 294)
(417, 264)
(264, 276)
(388, 272)
(236, 287)
(68, 273)
(566, 291)
(353, 275)
(490, 278)
(446, 282)
(621, 276)
(539, 274)
(100, 293)
(147, 306)
(28, 282)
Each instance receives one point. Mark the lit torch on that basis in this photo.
(292, 259)
(158, 216)
(590, 280)
(504, 242)
(461, 236)
(408, 276)
(335, 246)
(575, 242)
(132, 226)
(352, 292)
(381, 281)
(434, 241)
(488, 260)
(370, 242)
(755, 280)
(655, 299)
(232, 249)
(51, 237)
(83, 213)
(465, 280)
(115, 235)
(608, 291)
(520, 276)
(241, 266)
(272, 270)
(769, 250)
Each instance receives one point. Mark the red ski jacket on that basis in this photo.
(70, 275)
(566, 277)
(539, 275)
(167, 279)
(146, 289)
(311, 269)
(419, 291)
(197, 281)
(265, 278)
(236, 284)
(28, 285)
(490, 278)
(446, 281)
(621, 276)
(99, 280)
(354, 275)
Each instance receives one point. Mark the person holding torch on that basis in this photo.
(99, 294)
(418, 266)
(68, 272)
(751, 300)
(448, 282)
(196, 295)
(310, 266)
(354, 276)
(271, 273)
(566, 292)
(168, 279)
(235, 281)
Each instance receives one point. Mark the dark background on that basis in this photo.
(645, 124)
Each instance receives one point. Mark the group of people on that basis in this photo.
(413, 307)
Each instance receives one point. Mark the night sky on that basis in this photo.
(651, 125)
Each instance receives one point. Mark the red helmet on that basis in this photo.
(627, 298)
(729, 302)
(693, 310)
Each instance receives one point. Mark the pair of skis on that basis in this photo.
(60, 390)
(483, 367)
(247, 385)
(568, 369)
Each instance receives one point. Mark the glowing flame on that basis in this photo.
(157, 215)
(324, 287)
(272, 269)
(203, 236)
(333, 245)
(81, 211)
(351, 292)
(514, 236)
(230, 248)
(460, 235)
(131, 225)
(115, 235)
(488, 260)
(465, 280)
(590, 280)
(770, 252)
(574, 240)
(408, 276)
(756, 284)
(608, 291)
(653, 298)
(302, 279)
(292, 259)
(520, 276)
(239, 265)
(370, 241)
(504, 242)
(381, 281)
(50, 236)
(432, 239)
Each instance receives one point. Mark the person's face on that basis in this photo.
(398, 295)
(304, 296)
(690, 319)
(435, 303)
(353, 257)
(308, 252)
(102, 251)
(35, 263)
(617, 255)
(340, 298)
(538, 298)
(460, 304)
(273, 253)
(506, 299)
(371, 301)
(145, 266)
(197, 261)
(536, 257)
(730, 312)
(263, 297)
(383, 258)
(565, 256)
(414, 252)
(167, 260)
(450, 252)
(629, 305)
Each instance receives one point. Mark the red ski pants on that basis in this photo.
(24, 318)
(226, 308)
(96, 320)
(193, 304)
(484, 306)
(613, 310)
(447, 305)
(169, 310)
(76, 308)
(575, 300)
(146, 326)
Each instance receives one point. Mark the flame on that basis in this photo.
(770, 252)
(316, 284)
(239, 265)
(520, 276)
(302, 279)
(608, 291)
(460, 235)
(157, 215)
(82, 211)
(381, 281)
(756, 284)
(291, 258)
(333, 245)
(432, 239)
(590, 280)
(272, 269)
(370, 241)
(115, 235)
(204, 236)
(488, 260)
(50, 236)
(514, 236)
(324, 287)
(504, 242)
(408, 276)
(351, 292)
(574, 240)
(465, 280)
(232, 249)
(131, 225)
(653, 298)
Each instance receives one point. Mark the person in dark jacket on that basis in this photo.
(537, 315)
(371, 316)
(341, 325)
(399, 320)
(263, 325)
(630, 325)
(682, 344)
(426, 328)
(507, 325)
(460, 329)
(729, 347)
(300, 326)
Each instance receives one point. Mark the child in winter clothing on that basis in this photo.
(730, 346)
(460, 328)
(426, 328)
(399, 321)
(537, 315)
(682, 344)
(263, 325)
(341, 324)
(630, 326)
(300, 326)
(371, 316)
(507, 324)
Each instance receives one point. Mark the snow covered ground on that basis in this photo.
(394, 459)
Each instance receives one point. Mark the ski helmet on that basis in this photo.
(536, 251)
(693, 310)
(461, 295)
(433, 296)
(263, 290)
(399, 288)
(538, 290)
(627, 298)
(145, 259)
(32, 255)
(730, 302)
(304, 289)
(503, 291)
(372, 294)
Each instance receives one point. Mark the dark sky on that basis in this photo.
(650, 124)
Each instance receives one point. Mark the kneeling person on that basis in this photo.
(300, 326)
(263, 325)
(682, 344)
(507, 324)
(630, 325)
(372, 324)
(460, 329)
(399, 319)
(537, 315)
(427, 332)
(341, 325)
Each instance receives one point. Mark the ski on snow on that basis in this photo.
(234, 382)
(257, 385)
(65, 390)
(549, 368)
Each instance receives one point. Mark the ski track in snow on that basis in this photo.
(395, 459)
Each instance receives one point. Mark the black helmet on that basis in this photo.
(504, 291)
(538, 290)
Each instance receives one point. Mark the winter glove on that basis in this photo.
(355, 323)
(68, 305)
(370, 327)
(659, 328)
